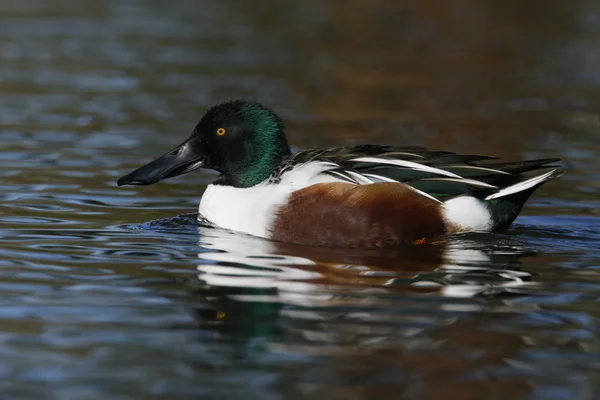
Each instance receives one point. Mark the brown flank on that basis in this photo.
(347, 215)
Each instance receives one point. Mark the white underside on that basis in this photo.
(252, 210)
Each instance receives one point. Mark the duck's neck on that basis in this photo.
(259, 160)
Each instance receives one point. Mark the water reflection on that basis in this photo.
(449, 264)
(401, 313)
(355, 291)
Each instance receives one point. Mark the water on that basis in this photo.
(110, 292)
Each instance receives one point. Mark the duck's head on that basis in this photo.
(242, 140)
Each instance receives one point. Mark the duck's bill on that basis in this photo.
(181, 160)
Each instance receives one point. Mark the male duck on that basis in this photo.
(359, 196)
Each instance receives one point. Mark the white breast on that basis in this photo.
(252, 210)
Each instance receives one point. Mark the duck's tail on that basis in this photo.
(506, 204)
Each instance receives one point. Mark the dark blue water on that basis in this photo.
(119, 293)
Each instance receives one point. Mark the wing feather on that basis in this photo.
(437, 174)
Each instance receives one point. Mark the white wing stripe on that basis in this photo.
(472, 182)
(403, 153)
(342, 176)
(381, 178)
(404, 163)
(495, 171)
(523, 185)
(422, 193)
(359, 178)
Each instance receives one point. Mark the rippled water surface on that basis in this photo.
(118, 293)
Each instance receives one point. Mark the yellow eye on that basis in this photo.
(221, 131)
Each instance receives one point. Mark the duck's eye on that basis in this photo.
(221, 131)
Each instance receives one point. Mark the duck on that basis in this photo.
(366, 196)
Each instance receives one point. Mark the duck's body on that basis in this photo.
(373, 196)
(362, 196)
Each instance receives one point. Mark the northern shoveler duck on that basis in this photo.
(359, 196)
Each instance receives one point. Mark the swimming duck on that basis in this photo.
(358, 196)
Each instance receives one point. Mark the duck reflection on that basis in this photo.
(455, 267)
(257, 287)
(324, 318)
